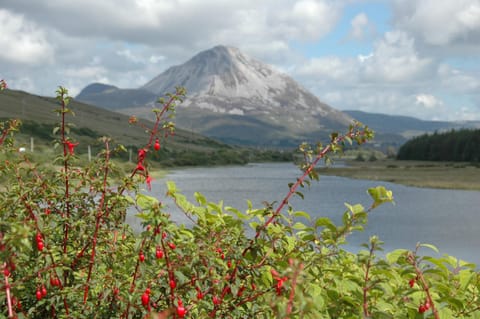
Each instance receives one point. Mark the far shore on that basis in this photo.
(444, 175)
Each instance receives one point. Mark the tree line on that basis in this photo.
(455, 145)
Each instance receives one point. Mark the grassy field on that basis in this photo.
(445, 175)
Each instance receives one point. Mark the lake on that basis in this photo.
(449, 219)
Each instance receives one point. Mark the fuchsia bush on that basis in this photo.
(66, 251)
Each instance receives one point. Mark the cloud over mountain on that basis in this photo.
(406, 47)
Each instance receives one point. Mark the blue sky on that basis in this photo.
(406, 57)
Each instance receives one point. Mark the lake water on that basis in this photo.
(449, 219)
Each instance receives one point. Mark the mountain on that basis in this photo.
(111, 97)
(406, 126)
(235, 98)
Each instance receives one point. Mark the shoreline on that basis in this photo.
(440, 175)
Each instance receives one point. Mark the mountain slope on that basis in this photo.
(111, 97)
(406, 126)
(235, 98)
(38, 110)
(226, 81)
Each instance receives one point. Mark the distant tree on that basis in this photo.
(462, 145)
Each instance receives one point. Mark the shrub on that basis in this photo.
(67, 252)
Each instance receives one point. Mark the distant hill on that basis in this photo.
(91, 122)
(406, 126)
(234, 98)
(111, 97)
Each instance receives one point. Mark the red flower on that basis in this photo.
(141, 154)
(140, 167)
(149, 182)
(71, 147)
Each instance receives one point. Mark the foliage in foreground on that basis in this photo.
(66, 251)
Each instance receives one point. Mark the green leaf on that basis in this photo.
(200, 198)
(380, 195)
(323, 221)
(393, 256)
(301, 214)
(432, 247)
(299, 226)
(146, 202)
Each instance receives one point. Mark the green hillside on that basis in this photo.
(90, 123)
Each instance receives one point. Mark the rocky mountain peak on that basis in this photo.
(233, 97)
(225, 80)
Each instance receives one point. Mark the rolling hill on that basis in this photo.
(91, 122)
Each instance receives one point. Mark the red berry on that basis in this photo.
(411, 282)
(422, 309)
(157, 145)
(38, 237)
(181, 311)
(427, 305)
(159, 253)
(116, 291)
(44, 291)
(216, 300)
(38, 294)
(199, 295)
(54, 281)
(6, 272)
(229, 264)
(164, 235)
(141, 257)
(148, 291)
(172, 245)
(173, 284)
(40, 245)
(145, 299)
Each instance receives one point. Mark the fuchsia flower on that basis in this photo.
(71, 147)
(141, 154)
(140, 167)
(149, 182)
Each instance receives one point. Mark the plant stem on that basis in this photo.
(98, 221)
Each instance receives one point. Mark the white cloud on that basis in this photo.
(395, 59)
(440, 23)
(456, 80)
(313, 18)
(156, 58)
(128, 42)
(22, 41)
(361, 27)
(427, 100)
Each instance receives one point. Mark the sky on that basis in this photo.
(417, 58)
